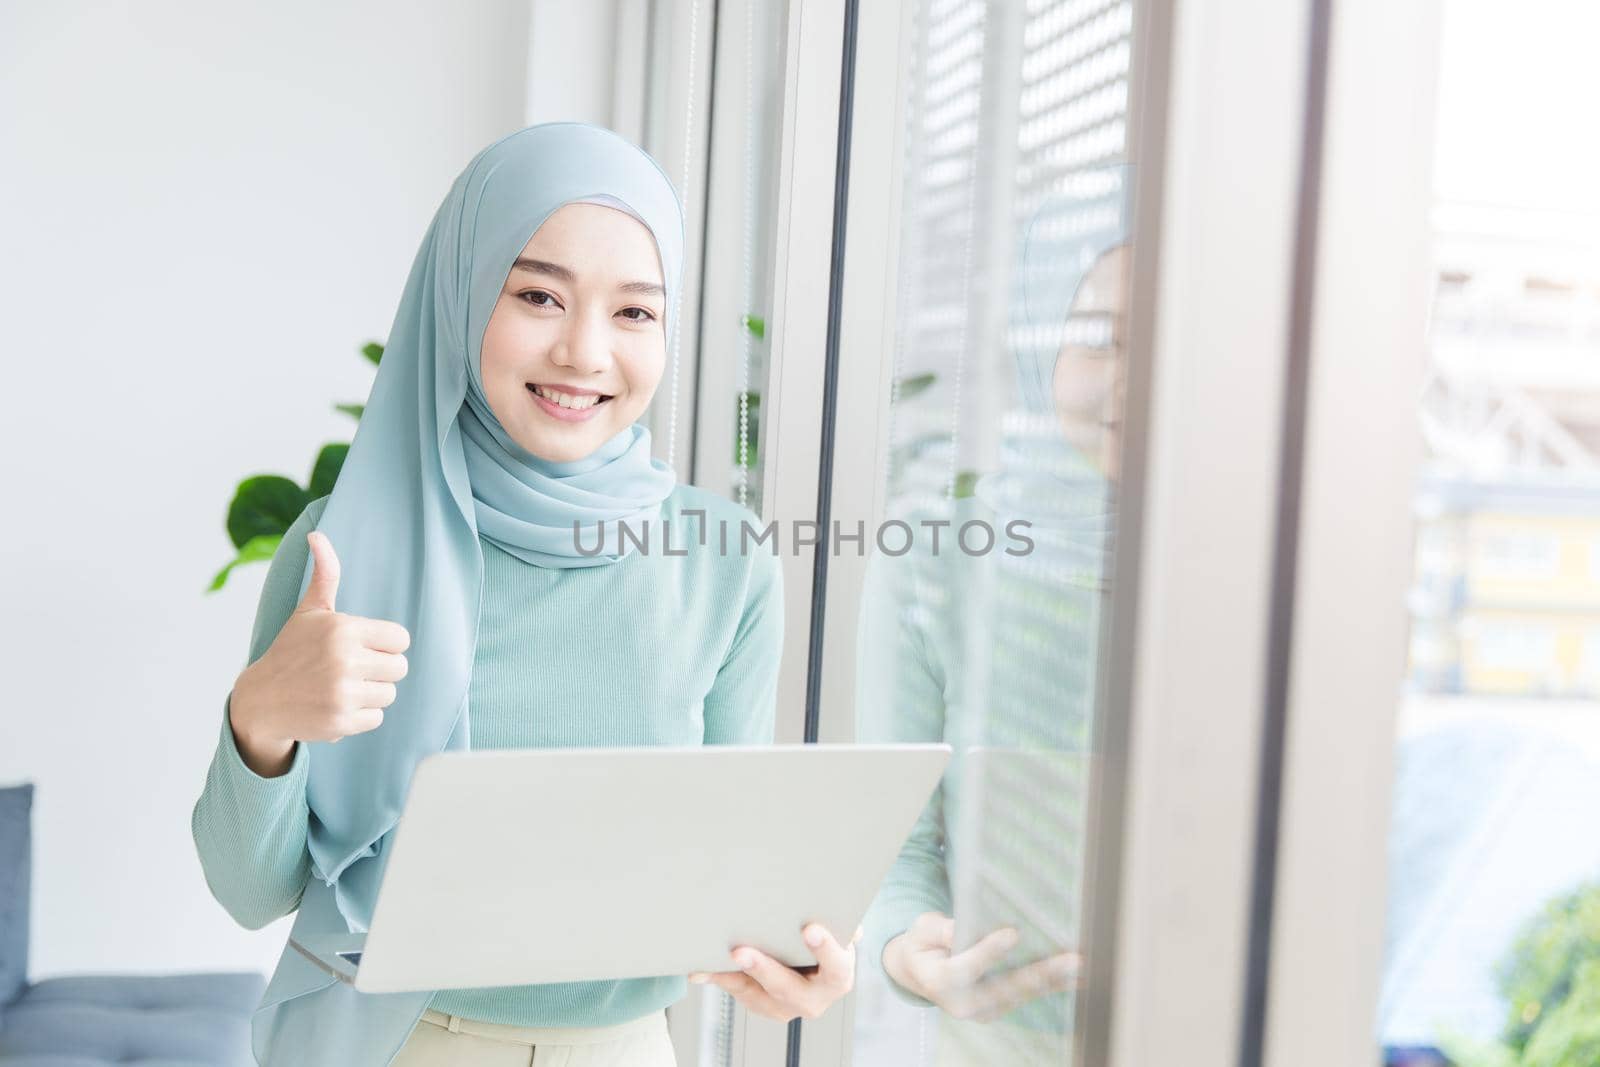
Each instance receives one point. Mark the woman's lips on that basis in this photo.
(556, 411)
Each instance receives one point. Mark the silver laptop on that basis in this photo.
(523, 866)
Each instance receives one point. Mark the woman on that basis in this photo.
(995, 653)
(477, 607)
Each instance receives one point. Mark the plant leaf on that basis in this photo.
(910, 387)
(353, 410)
(757, 326)
(326, 470)
(373, 351)
(904, 452)
(264, 504)
(965, 480)
(255, 550)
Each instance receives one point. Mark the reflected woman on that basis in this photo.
(995, 652)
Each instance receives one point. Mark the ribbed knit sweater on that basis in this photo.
(655, 649)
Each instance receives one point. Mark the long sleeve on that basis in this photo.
(900, 698)
(250, 831)
(741, 706)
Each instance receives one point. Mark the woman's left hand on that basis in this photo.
(767, 987)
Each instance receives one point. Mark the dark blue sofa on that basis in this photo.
(184, 1020)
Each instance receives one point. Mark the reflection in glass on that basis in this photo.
(984, 633)
(981, 611)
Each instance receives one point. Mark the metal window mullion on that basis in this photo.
(790, 446)
(1362, 442)
(1217, 142)
(863, 389)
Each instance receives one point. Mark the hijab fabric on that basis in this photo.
(1063, 238)
(431, 468)
(1038, 473)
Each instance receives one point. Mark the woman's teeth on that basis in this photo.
(566, 400)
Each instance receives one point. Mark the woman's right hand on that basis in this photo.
(920, 961)
(325, 676)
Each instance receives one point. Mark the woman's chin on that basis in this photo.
(564, 444)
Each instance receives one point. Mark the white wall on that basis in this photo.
(206, 209)
(572, 59)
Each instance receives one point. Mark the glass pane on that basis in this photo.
(741, 205)
(743, 60)
(989, 582)
(1493, 946)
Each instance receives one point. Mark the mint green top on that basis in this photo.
(653, 650)
(994, 652)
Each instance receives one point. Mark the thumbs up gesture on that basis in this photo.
(326, 676)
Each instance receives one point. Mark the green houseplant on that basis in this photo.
(264, 506)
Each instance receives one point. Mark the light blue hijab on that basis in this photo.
(1061, 241)
(431, 468)
(1038, 473)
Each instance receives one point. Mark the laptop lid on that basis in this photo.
(513, 867)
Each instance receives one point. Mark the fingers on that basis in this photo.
(1001, 993)
(836, 964)
(780, 981)
(769, 988)
(379, 634)
(933, 930)
(1066, 969)
(1053, 974)
(346, 724)
(748, 991)
(378, 666)
(374, 694)
(383, 635)
(324, 587)
(970, 965)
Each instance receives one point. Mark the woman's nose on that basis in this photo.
(584, 345)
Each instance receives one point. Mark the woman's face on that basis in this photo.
(575, 346)
(1091, 368)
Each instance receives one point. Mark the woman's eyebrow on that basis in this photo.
(556, 270)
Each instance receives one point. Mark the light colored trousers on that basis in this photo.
(441, 1040)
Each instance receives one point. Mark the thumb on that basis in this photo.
(324, 574)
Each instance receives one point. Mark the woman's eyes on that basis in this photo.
(540, 298)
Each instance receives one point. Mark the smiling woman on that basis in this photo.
(428, 601)
(575, 347)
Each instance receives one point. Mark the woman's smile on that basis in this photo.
(574, 405)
